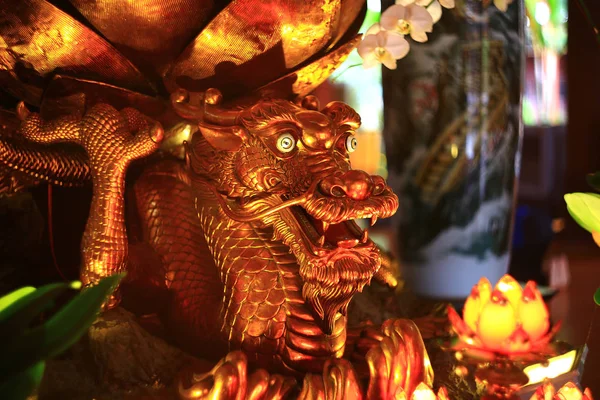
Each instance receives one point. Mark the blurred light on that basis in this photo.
(454, 150)
(374, 5)
(556, 366)
(527, 22)
(367, 156)
(184, 133)
(542, 13)
(558, 224)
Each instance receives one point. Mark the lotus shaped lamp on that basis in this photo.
(504, 320)
(569, 391)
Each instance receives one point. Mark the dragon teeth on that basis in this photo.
(325, 226)
(365, 236)
(322, 240)
(373, 219)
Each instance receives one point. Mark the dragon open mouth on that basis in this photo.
(328, 223)
(335, 256)
(324, 236)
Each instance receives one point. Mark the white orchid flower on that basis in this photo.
(435, 10)
(447, 3)
(413, 20)
(382, 47)
(502, 5)
(433, 7)
(425, 3)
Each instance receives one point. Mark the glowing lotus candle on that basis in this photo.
(569, 391)
(505, 319)
(424, 392)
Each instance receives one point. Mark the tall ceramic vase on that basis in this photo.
(453, 132)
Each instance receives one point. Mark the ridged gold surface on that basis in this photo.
(37, 39)
(307, 78)
(260, 40)
(148, 44)
(151, 33)
(58, 166)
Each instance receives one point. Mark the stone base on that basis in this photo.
(117, 360)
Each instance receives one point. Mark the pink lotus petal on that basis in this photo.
(435, 10)
(418, 36)
(370, 61)
(374, 29)
(388, 60)
(397, 45)
(382, 38)
(420, 19)
(367, 45)
(391, 16)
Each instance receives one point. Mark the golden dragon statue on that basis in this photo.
(251, 232)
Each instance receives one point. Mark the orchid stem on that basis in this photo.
(343, 71)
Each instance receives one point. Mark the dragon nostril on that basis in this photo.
(378, 184)
(378, 189)
(337, 191)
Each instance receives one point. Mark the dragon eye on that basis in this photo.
(351, 143)
(286, 142)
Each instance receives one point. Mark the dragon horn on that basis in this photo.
(207, 110)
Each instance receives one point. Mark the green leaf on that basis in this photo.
(594, 180)
(10, 298)
(60, 332)
(597, 297)
(18, 315)
(20, 386)
(585, 210)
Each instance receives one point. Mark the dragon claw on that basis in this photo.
(399, 363)
(22, 111)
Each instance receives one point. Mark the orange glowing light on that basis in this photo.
(554, 367)
(569, 391)
(424, 392)
(505, 320)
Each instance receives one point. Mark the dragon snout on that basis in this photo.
(355, 184)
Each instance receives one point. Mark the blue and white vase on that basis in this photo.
(453, 133)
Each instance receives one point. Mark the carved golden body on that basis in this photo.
(250, 243)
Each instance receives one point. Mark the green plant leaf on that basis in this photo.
(18, 315)
(597, 297)
(585, 210)
(10, 298)
(61, 331)
(594, 180)
(20, 386)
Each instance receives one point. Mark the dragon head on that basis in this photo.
(285, 166)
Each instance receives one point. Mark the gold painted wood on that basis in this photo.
(251, 43)
(152, 33)
(37, 40)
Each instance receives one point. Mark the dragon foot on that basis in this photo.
(229, 380)
(397, 361)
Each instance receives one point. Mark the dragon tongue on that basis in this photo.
(347, 243)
